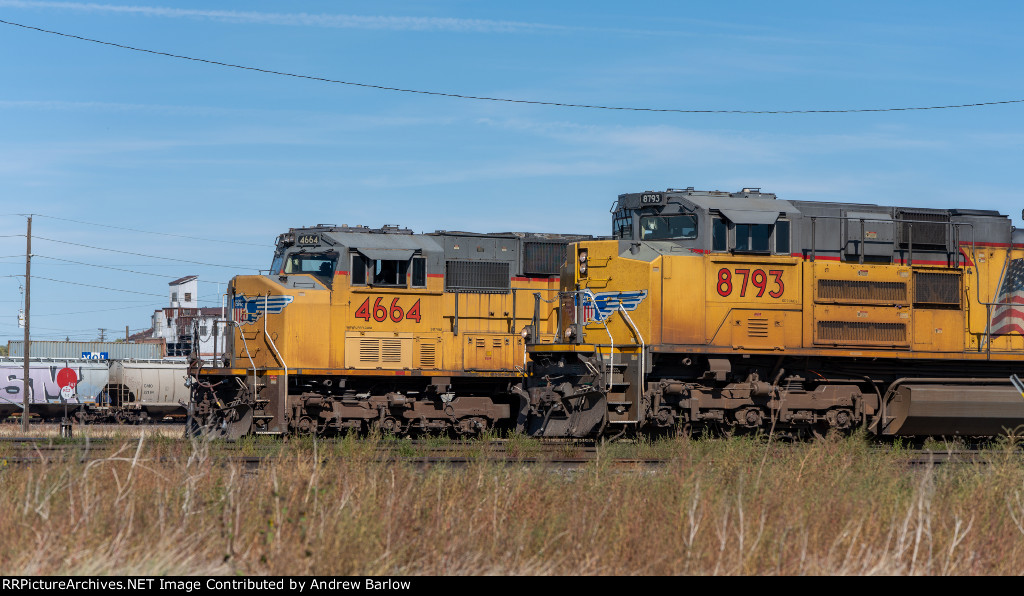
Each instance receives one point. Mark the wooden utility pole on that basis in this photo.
(28, 289)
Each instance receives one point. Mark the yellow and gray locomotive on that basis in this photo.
(354, 328)
(741, 311)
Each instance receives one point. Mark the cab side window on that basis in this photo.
(782, 237)
(719, 235)
(359, 265)
(753, 237)
(419, 272)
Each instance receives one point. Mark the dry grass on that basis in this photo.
(720, 507)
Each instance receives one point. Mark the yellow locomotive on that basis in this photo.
(355, 328)
(742, 311)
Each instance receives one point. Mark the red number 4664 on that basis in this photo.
(381, 313)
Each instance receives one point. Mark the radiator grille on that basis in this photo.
(931, 230)
(845, 332)
(477, 276)
(936, 288)
(757, 327)
(858, 291)
(543, 258)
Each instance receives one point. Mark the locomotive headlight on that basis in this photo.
(583, 256)
(583, 268)
(570, 333)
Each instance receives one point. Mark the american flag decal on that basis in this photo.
(246, 310)
(598, 307)
(1008, 316)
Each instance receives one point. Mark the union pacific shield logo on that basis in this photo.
(598, 307)
(246, 309)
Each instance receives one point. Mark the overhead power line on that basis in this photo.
(73, 283)
(136, 254)
(107, 267)
(508, 100)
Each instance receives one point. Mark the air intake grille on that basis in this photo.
(391, 350)
(757, 327)
(853, 332)
(369, 350)
(477, 276)
(936, 288)
(857, 291)
(428, 356)
(925, 233)
(543, 258)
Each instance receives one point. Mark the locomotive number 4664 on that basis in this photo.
(381, 313)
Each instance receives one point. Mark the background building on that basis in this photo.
(174, 324)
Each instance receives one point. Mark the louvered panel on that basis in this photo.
(861, 291)
(379, 350)
(391, 350)
(937, 288)
(757, 327)
(369, 351)
(428, 356)
(857, 332)
(930, 229)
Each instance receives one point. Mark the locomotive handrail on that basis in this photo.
(245, 344)
(611, 369)
(266, 334)
(641, 374)
(954, 225)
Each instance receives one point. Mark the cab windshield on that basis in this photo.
(319, 265)
(666, 227)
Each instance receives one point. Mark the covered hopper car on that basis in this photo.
(141, 391)
(122, 391)
(45, 398)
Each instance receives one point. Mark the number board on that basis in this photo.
(750, 283)
(650, 198)
(308, 239)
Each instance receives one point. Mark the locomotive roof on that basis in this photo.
(748, 203)
(396, 237)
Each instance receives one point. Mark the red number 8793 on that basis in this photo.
(758, 279)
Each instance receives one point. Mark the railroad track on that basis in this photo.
(423, 452)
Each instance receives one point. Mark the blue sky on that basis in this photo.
(207, 164)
